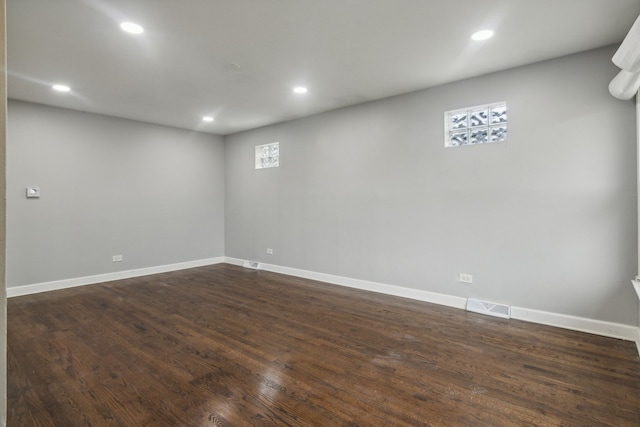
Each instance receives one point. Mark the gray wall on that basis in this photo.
(109, 186)
(544, 221)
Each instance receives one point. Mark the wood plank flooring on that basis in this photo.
(225, 346)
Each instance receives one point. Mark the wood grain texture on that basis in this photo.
(226, 346)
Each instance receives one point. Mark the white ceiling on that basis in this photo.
(185, 64)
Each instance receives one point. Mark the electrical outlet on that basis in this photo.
(117, 258)
(33, 192)
(269, 251)
(465, 278)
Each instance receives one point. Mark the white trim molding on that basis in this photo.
(399, 291)
(16, 291)
(581, 324)
(636, 287)
(597, 327)
(574, 323)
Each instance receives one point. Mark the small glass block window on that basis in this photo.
(476, 125)
(268, 155)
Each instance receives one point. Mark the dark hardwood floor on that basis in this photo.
(226, 346)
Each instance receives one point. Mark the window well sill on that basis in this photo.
(636, 286)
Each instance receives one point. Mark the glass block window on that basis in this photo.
(268, 155)
(476, 125)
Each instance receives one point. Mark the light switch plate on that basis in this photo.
(33, 192)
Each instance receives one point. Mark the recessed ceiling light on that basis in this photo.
(61, 88)
(300, 89)
(132, 27)
(482, 35)
(207, 119)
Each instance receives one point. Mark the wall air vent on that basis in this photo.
(251, 264)
(490, 308)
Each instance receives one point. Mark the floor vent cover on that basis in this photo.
(490, 308)
(251, 264)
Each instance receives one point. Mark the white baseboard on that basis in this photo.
(16, 291)
(234, 261)
(597, 327)
(581, 324)
(399, 291)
